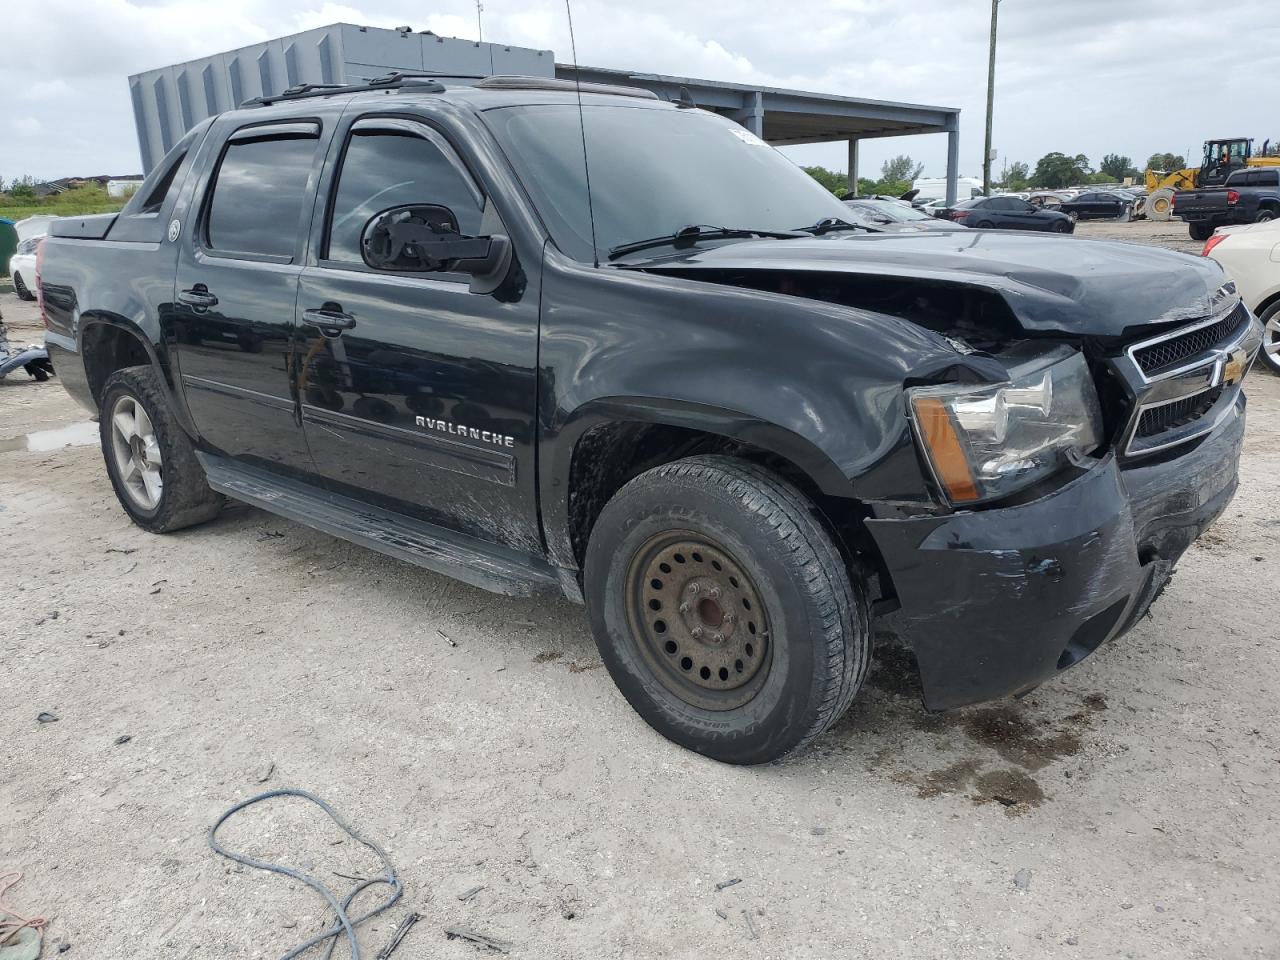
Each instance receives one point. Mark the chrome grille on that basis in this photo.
(1156, 358)
(1154, 421)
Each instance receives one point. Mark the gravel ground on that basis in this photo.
(1125, 809)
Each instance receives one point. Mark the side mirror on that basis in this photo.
(424, 238)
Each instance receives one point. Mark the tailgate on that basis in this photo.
(1200, 201)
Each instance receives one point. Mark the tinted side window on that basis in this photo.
(386, 168)
(1267, 178)
(258, 195)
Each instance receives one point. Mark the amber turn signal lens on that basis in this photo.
(945, 453)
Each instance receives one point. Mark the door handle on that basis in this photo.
(327, 318)
(198, 296)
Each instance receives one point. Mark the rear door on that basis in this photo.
(421, 398)
(237, 289)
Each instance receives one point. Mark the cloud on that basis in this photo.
(1093, 77)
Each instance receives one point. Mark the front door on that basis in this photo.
(417, 394)
(237, 292)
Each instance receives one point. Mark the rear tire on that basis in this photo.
(1270, 353)
(985, 225)
(1265, 216)
(672, 565)
(149, 457)
(20, 288)
(1200, 231)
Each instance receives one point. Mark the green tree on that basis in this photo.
(1168, 162)
(1015, 177)
(1057, 170)
(901, 169)
(1117, 167)
(833, 180)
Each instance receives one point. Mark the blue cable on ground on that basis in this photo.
(343, 924)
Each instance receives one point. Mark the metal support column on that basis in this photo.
(853, 167)
(953, 159)
(751, 115)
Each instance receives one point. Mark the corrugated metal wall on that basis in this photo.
(171, 100)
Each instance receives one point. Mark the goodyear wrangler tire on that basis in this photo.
(149, 458)
(724, 611)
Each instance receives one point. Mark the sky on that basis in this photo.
(1133, 77)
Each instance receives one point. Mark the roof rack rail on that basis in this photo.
(502, 82)
(428, 82)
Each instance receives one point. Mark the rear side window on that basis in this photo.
(258, 195)
(1267, 178)
(156, 196)
(386, 168)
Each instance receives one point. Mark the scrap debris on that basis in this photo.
(343, 925)
(447, 639)
(479, 939)
(23, 934)
(468, 894)
(725, 884)
(752, 931)
(46, 717)
(399, 935)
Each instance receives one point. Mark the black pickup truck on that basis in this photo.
(690, 394)
(1251, 195)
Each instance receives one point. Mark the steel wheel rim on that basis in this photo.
(137, 453)
(699, 620)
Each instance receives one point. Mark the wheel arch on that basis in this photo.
(609, 442)
(108, 342)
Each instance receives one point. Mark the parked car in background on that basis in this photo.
(933, 207)
(1098, 204)
(22, 268)
(1051, 201)
(1251, 256)
(893, 216)
(1249, 196)
(1007, 213)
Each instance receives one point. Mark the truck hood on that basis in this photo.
(1051, 283)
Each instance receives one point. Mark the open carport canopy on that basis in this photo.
(784, 117)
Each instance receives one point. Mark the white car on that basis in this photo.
(1251, 256)
(22, 268)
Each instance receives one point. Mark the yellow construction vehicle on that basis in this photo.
(1221, 158)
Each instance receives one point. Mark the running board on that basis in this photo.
(486, 565)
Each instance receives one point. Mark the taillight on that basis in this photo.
(1216, 239)
(958, 214)
(39, 287)
(1233, 197)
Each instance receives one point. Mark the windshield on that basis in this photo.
(653, 171)
(898, 212)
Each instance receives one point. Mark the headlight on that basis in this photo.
(988, 442)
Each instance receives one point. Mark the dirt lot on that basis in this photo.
(1126, 809)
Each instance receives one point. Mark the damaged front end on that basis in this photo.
(1060, 490)
(1003, 591)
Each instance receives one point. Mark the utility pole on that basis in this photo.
(991, 96)
(480, 19)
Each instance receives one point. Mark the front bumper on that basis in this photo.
(995, 602)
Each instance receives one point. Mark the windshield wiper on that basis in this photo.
(828, 224)
(688, 236)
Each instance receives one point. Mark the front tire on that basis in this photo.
(20, 288)
(1063, 226)
(1270, 352)
(724, 611)
(149, 458)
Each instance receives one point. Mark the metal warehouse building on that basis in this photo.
(169, 101)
